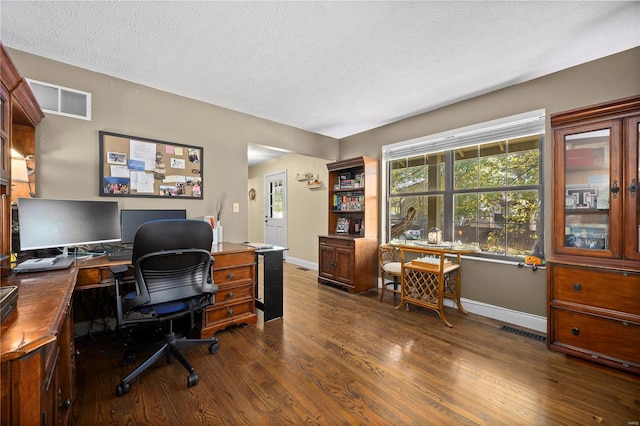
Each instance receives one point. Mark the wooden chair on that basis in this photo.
(428, 284)
(390, 267)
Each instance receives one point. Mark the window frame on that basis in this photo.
(483, 134)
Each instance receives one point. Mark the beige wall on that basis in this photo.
(68, 152)
(67, 148)
(307, 208)
(614, 77)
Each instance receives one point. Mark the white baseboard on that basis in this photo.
(522, 319)
(303, 263)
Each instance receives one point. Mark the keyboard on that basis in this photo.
(120, 255)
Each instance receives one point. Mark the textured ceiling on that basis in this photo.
(333, 68)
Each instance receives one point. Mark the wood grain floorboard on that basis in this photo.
(342, 359)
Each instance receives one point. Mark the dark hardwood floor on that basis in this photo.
(341, 359)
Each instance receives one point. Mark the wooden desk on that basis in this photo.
(37, 349)
(427, 285)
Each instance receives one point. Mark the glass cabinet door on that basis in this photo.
(631, 189)
(589, 189)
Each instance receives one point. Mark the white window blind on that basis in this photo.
(520, 125)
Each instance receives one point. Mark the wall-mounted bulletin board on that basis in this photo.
(131, 166)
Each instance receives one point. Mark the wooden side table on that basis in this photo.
(428, 284)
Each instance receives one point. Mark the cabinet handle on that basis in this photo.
(633, 188)
(577, 286)
(575, 331)
(230, 276)
(615, 189)
(625, 323)
(625, 274)
(65, 404)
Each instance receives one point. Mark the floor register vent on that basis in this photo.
(523, 333)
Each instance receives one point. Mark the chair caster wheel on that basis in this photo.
(213, 348)
(192, 379)
(123, 388)
(129, 359)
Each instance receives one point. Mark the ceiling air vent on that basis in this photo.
(62, 100)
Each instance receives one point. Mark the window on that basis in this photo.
(62, 100)
(481, 186)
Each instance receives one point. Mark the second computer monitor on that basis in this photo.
(130, 220)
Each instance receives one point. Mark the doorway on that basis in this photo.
(275, 209)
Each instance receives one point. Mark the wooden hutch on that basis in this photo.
(348, 253)
(19, 116)
(594, 271)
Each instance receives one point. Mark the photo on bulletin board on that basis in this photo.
(132, 166)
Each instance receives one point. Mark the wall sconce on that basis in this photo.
(434, 236)
(19, 171)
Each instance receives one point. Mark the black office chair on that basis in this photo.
(172, 271)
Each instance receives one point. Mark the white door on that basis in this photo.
(275, 209)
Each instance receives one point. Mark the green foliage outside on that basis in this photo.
(495, 195)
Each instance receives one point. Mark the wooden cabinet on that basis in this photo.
(19, 115)
(348, 253)
(594, 270)
(234, 274)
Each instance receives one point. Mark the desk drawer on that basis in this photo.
(594, 287)
(233, 275)
(232, 293)
(223, 311)
(233, 259)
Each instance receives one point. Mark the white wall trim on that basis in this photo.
(302, 262)
(522, 319)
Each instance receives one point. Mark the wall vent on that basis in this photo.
(62, 100)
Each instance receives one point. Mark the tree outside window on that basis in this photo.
(489, 194)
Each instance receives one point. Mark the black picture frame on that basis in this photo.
(342, 226)
(133, 166)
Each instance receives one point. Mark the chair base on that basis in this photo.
(170, 349)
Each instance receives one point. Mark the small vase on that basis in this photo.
(220, 233)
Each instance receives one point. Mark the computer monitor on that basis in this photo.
(46, 223)
(130, 220)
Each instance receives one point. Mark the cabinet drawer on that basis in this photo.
(232, 275)
(233, 259)
(337, 242)
(224, 311)
(612, 338)
(603, 289)
(232, 293)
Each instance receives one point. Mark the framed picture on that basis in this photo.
(342, 226)
(592, 236)
(132, 166)
(581, 197)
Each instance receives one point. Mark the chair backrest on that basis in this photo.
(389, 259)
(387, 254)
(172, 261)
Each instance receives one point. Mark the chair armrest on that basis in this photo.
(119, 270)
